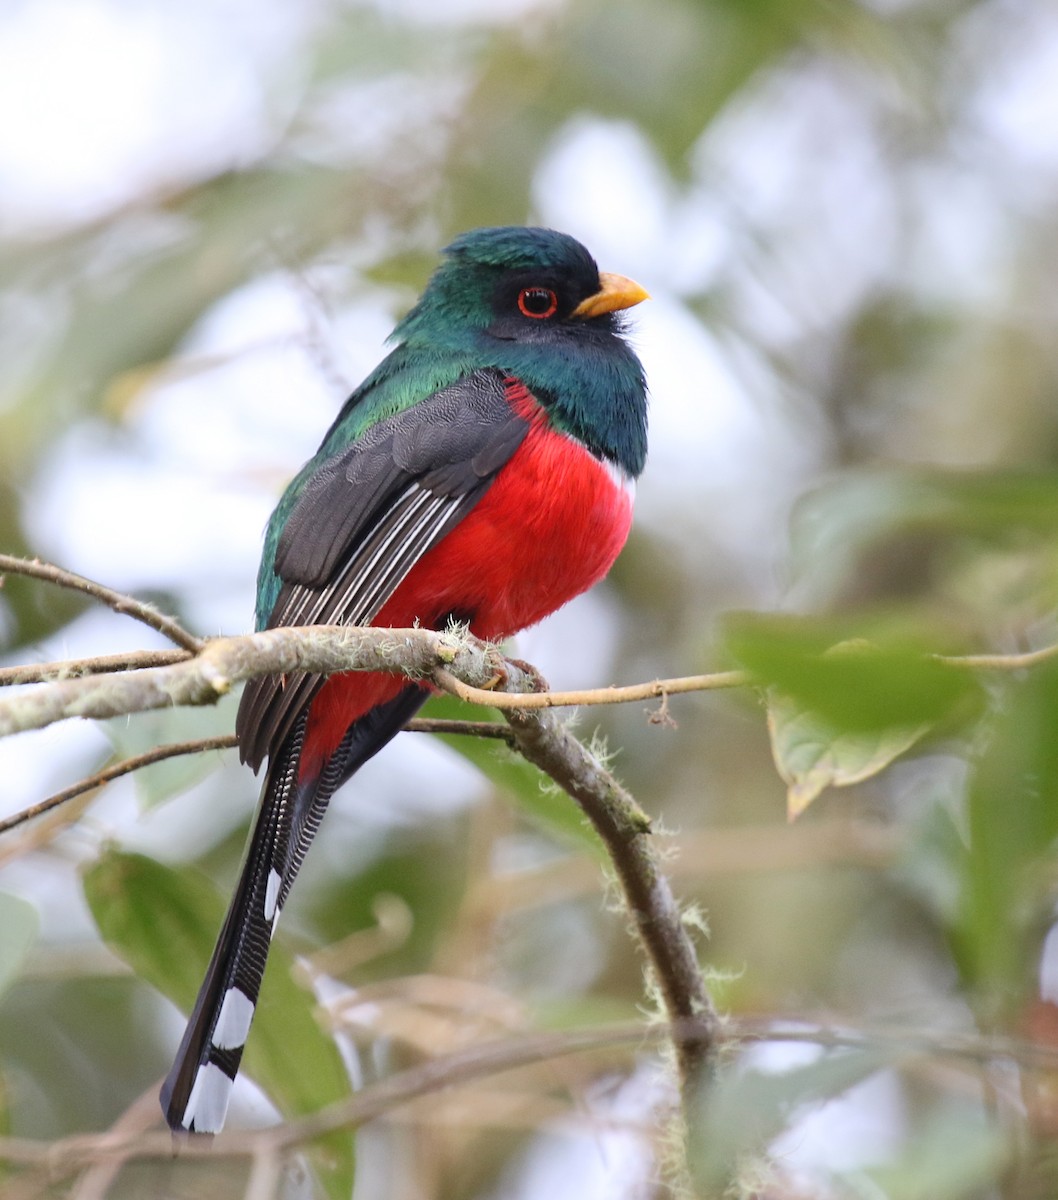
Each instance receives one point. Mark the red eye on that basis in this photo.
(537, 302)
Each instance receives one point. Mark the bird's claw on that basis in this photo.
(537, 682)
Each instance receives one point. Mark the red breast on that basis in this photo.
(548, 528)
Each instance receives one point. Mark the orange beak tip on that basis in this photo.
(616, 292)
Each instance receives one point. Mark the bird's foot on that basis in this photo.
(537, 683)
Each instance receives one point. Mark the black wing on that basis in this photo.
(367, 517)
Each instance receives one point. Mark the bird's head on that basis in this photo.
(516, 284)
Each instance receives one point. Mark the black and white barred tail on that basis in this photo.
(197, 1090)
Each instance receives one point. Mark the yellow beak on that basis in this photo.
(617, 292)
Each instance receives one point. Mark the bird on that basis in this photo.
(483, 473)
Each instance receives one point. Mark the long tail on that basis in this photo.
(196, 1092)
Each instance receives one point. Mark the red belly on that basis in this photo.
(548, 528)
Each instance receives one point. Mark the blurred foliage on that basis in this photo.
(837, 201)
(860, 684)
(1005, 907)
(20, 923)
(813, 753)
(746, 1108)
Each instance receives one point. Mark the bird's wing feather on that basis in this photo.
(366, 518)
(358, 527)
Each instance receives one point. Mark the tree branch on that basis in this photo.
(67, 1155)
(655, 689)
(224, 662)
(119, 602)
(453, 661)
(624, 829)
(125, 767)
(999, 662)
(446, 725)
(469, 669)
(104, 664)
(420, 653)
(227, 741)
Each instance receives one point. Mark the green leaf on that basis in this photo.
(163, 922)
(856, 685)
(1008, 858)
(811, 754)
(19, 924)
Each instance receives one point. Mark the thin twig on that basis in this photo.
(663, 688)
(446, 725)
(70, 1154)
(455, 662)
(105, 664)
(999, 662)
(223, 742)
(463, 1066)
(67, 1155)
(606, 695)
(125, 767)
(486, 1060)
(266, 1174)
(119, 602)
(141, 1114)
